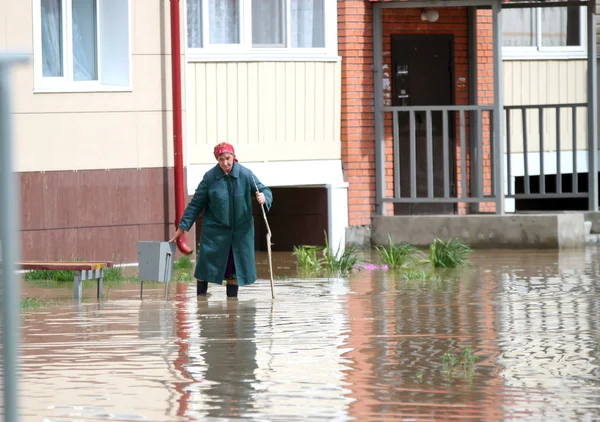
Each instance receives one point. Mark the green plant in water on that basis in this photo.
(344, 262)
(449, 360)
(50, 275)
(396, 256)
(35, 302)
(451, 254)
(466, 361)
(307, 258)
(183, 263)
(419, 275)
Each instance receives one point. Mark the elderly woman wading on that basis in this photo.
(227, 244)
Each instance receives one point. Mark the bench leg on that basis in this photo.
(100, 279)
(77, 287)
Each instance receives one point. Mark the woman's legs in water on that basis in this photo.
(232, 285)
(201, 287)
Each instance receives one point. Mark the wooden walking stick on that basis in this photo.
(268, 243)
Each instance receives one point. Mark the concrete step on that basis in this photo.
(592, 239)
(588, 227)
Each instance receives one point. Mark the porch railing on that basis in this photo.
(557, 125)
(465, 177)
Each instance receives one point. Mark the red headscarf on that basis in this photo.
(224, 147)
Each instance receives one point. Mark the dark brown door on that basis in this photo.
(422, 69)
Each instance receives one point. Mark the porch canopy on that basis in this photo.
(470, 120)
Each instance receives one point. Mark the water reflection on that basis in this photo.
(367, 348)
(224, 359)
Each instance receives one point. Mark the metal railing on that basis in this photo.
(467, 136)
(565, 123)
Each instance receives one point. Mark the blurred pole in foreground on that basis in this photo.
(9, 246)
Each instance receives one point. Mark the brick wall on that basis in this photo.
(355, 46)
(485, 94)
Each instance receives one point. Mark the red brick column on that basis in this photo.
(355, 46)
(485, 95)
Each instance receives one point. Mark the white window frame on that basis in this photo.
(540, 52)
(65, 83)
(245, 51)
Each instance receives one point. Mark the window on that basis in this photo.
(81, 45)
(546, 31)
(261, 28)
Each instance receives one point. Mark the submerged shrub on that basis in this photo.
(306, 257)
(183, 263)
(451, 254)
(466, 360)
(35, 302)
(419, 275)
(50, 275)
(396, 256)
(345, 262)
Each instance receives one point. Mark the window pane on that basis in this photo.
(519, 27)
(268, 23)
(224, 21)
(561, 26)
(308, 23)
(52, 39)
(85, 51)
(194, 23)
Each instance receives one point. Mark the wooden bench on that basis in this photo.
(83, 271)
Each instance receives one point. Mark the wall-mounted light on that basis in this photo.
(430, 15)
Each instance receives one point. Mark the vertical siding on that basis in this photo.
(271, 111)
(531, 82)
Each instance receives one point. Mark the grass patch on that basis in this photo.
(465, 361)
(397, 256)
(183, 264)
(313, 260)
(451, 254)
(50, 275)
(307, 258)
(419, 275)
(344, 262)
(35, 302)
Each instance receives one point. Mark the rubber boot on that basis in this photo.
(201, 288)
(232, 290)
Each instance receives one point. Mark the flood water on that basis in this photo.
(366, 348)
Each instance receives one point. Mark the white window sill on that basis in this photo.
(253, 57)
(544, 55)
(64, 89)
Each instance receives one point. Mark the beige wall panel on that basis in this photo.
(152, 27)
(531, 82)
(151, 91)
(3, 24)
(91, 130)
(17, 24)
(241, 83)
(155, 139)
(269, 110)
(64, 141)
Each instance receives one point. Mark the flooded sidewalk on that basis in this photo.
(372, 347)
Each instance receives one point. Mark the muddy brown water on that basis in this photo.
(370, 347)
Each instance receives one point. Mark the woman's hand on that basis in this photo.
(260, 197)
(178, 234)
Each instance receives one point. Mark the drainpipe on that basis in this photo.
(177, 126)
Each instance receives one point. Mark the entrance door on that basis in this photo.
(422, 66)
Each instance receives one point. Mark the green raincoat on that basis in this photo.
(227, 223)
